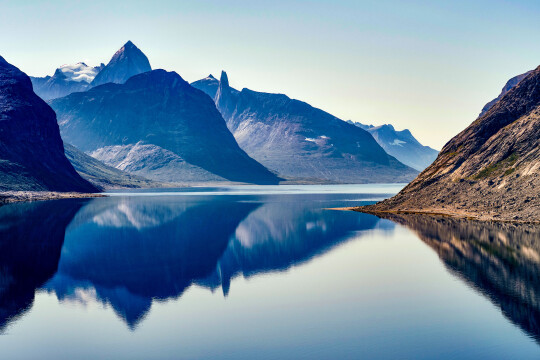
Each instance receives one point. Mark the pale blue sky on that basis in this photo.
(428, 66)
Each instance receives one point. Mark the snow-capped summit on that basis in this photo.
(66, 80)
(80, 72)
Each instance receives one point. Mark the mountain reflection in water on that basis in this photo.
(129, 252)
(500, 260)
(31, 237)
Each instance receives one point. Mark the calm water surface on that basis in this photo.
(253, 272)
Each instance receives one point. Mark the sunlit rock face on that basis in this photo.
(500, 260)
(507, 87)
(491, 170)
(153, 162)
(160, 109)
(31, 149)
(300, 141)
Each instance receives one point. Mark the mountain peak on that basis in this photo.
(224, 79)
(128, 61)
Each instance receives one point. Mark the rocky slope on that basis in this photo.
(158, 108)
(491, 170)
(101, 175)
(507, 87)
(126, 62)
(402, 145)
(66, 80)
(153, 162)
(31, 149)
(300, 141)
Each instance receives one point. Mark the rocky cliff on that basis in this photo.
(491, 170)
(31, 149)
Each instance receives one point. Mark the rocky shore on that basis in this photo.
(7, 197)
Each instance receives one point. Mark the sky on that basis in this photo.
(429, 66)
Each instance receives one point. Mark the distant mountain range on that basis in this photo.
(300, 141)
(402, 145)
(31, 149)
(97, 107)
(160, 109)
(491, 170)
(67, 79)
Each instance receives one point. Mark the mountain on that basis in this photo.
(153, 162)
(125, 63)
(66, 79)
(300, 141)
(158, 108)
(402, 145)
(507, 87)
(31, 149)
(209, 85)
(491, 170)
(101, 175)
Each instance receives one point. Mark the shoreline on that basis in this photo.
(438, 212)
(9, 197)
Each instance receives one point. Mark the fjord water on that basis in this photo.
(262, 272)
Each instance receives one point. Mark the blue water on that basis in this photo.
(261, 272)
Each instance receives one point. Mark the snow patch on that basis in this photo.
(398, 142)
(79, 72)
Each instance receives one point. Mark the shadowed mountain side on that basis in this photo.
(31, 149)
(275, 237)
(138, 250)
(506, 272)
(300, 141)
(490, 171)
(31, 238)
(101, 175)
(158, 108)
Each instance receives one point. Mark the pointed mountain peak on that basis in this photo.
(211, 77)
(224, 79)
(126, 62)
